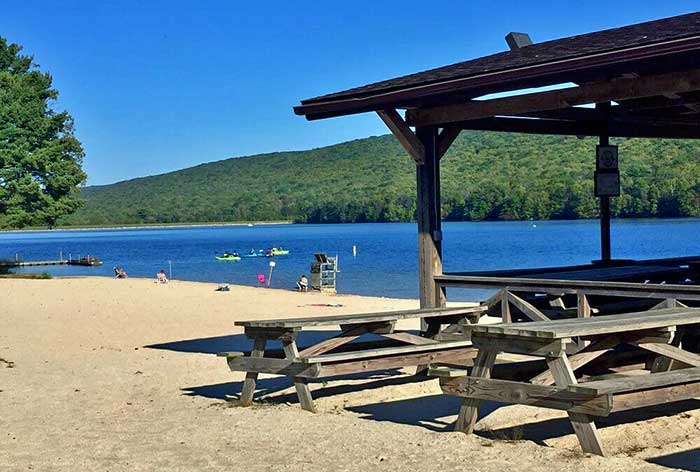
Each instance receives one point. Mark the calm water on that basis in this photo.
(386, 260)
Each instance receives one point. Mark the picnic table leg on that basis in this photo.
(300, 384)
(251, 377)
(432, 329)
(583, 425)
(469, 410)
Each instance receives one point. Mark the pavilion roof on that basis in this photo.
(642, 51)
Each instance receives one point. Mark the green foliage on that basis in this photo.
(484, 176)
(40, 159)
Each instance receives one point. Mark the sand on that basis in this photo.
(105, 374)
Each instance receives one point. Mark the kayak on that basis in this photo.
(228, 258)
(280, 252)
(253, 255)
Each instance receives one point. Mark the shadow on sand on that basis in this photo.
(239, 342)
(433, 412)
(684, 460)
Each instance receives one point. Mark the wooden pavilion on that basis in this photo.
(641, 80)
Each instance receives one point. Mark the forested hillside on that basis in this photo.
(484, 176)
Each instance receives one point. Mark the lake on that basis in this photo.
(386, 260)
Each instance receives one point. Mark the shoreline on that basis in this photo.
(146, 226)
(137, 226)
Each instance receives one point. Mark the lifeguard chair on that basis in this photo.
(323, 273)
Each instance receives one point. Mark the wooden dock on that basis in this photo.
(89, 261)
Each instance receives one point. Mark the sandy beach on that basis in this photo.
(106, 374)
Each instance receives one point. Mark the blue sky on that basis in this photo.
(156, 86)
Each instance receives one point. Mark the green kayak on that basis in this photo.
(280, 252)
(228, 258)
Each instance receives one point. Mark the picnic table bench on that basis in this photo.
(658, 331)
(319, 360)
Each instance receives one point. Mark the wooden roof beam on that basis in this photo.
(446, 138)
(584, 128)
(619, 89)
(404, 134)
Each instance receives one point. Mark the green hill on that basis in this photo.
(484, 176)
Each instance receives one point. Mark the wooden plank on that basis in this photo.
(598, 92)
(526, 308)
(520, 393)
(578, 360)
(460, 356)
(505, 307)
(268, 365)
(527, 346)
(672, 352)
(469, 409)
(609, 324)
(251, 377)
(667, 303)
(625, 129)
(560, 286)
(655, 396)
(403, 134)
(584, 427)
(300, 384)
(446, 138)
(662, 363)
(638, 382)
(410, 338)
(275, 333)
(330, 344)
(386, 351)
(447, 372)
(356, 318)
(584, 308)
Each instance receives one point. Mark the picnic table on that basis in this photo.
(339, 355)
(660, 331)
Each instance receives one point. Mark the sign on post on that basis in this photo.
(607, 173)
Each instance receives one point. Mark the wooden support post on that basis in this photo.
(604, 201)
(584, 307)
(469, 410)
(429, 221)
(303, 392)
(251, 377)
(505, 306)
(584, 427)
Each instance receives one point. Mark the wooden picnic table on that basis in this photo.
(324, 359)
(658, 331)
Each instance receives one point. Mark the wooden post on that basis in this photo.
(428, 218)
(604, 108)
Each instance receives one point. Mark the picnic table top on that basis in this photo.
(362, 317)
(610, 324)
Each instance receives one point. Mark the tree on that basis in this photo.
(40, 158)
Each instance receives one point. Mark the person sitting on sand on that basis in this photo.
(161, 278)
(303, 284)
(120, 273)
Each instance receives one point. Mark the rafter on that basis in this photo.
(404, 134)
(638, 129)
(619, 89)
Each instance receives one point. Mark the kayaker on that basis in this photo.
(252, 251)
(235, 254)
